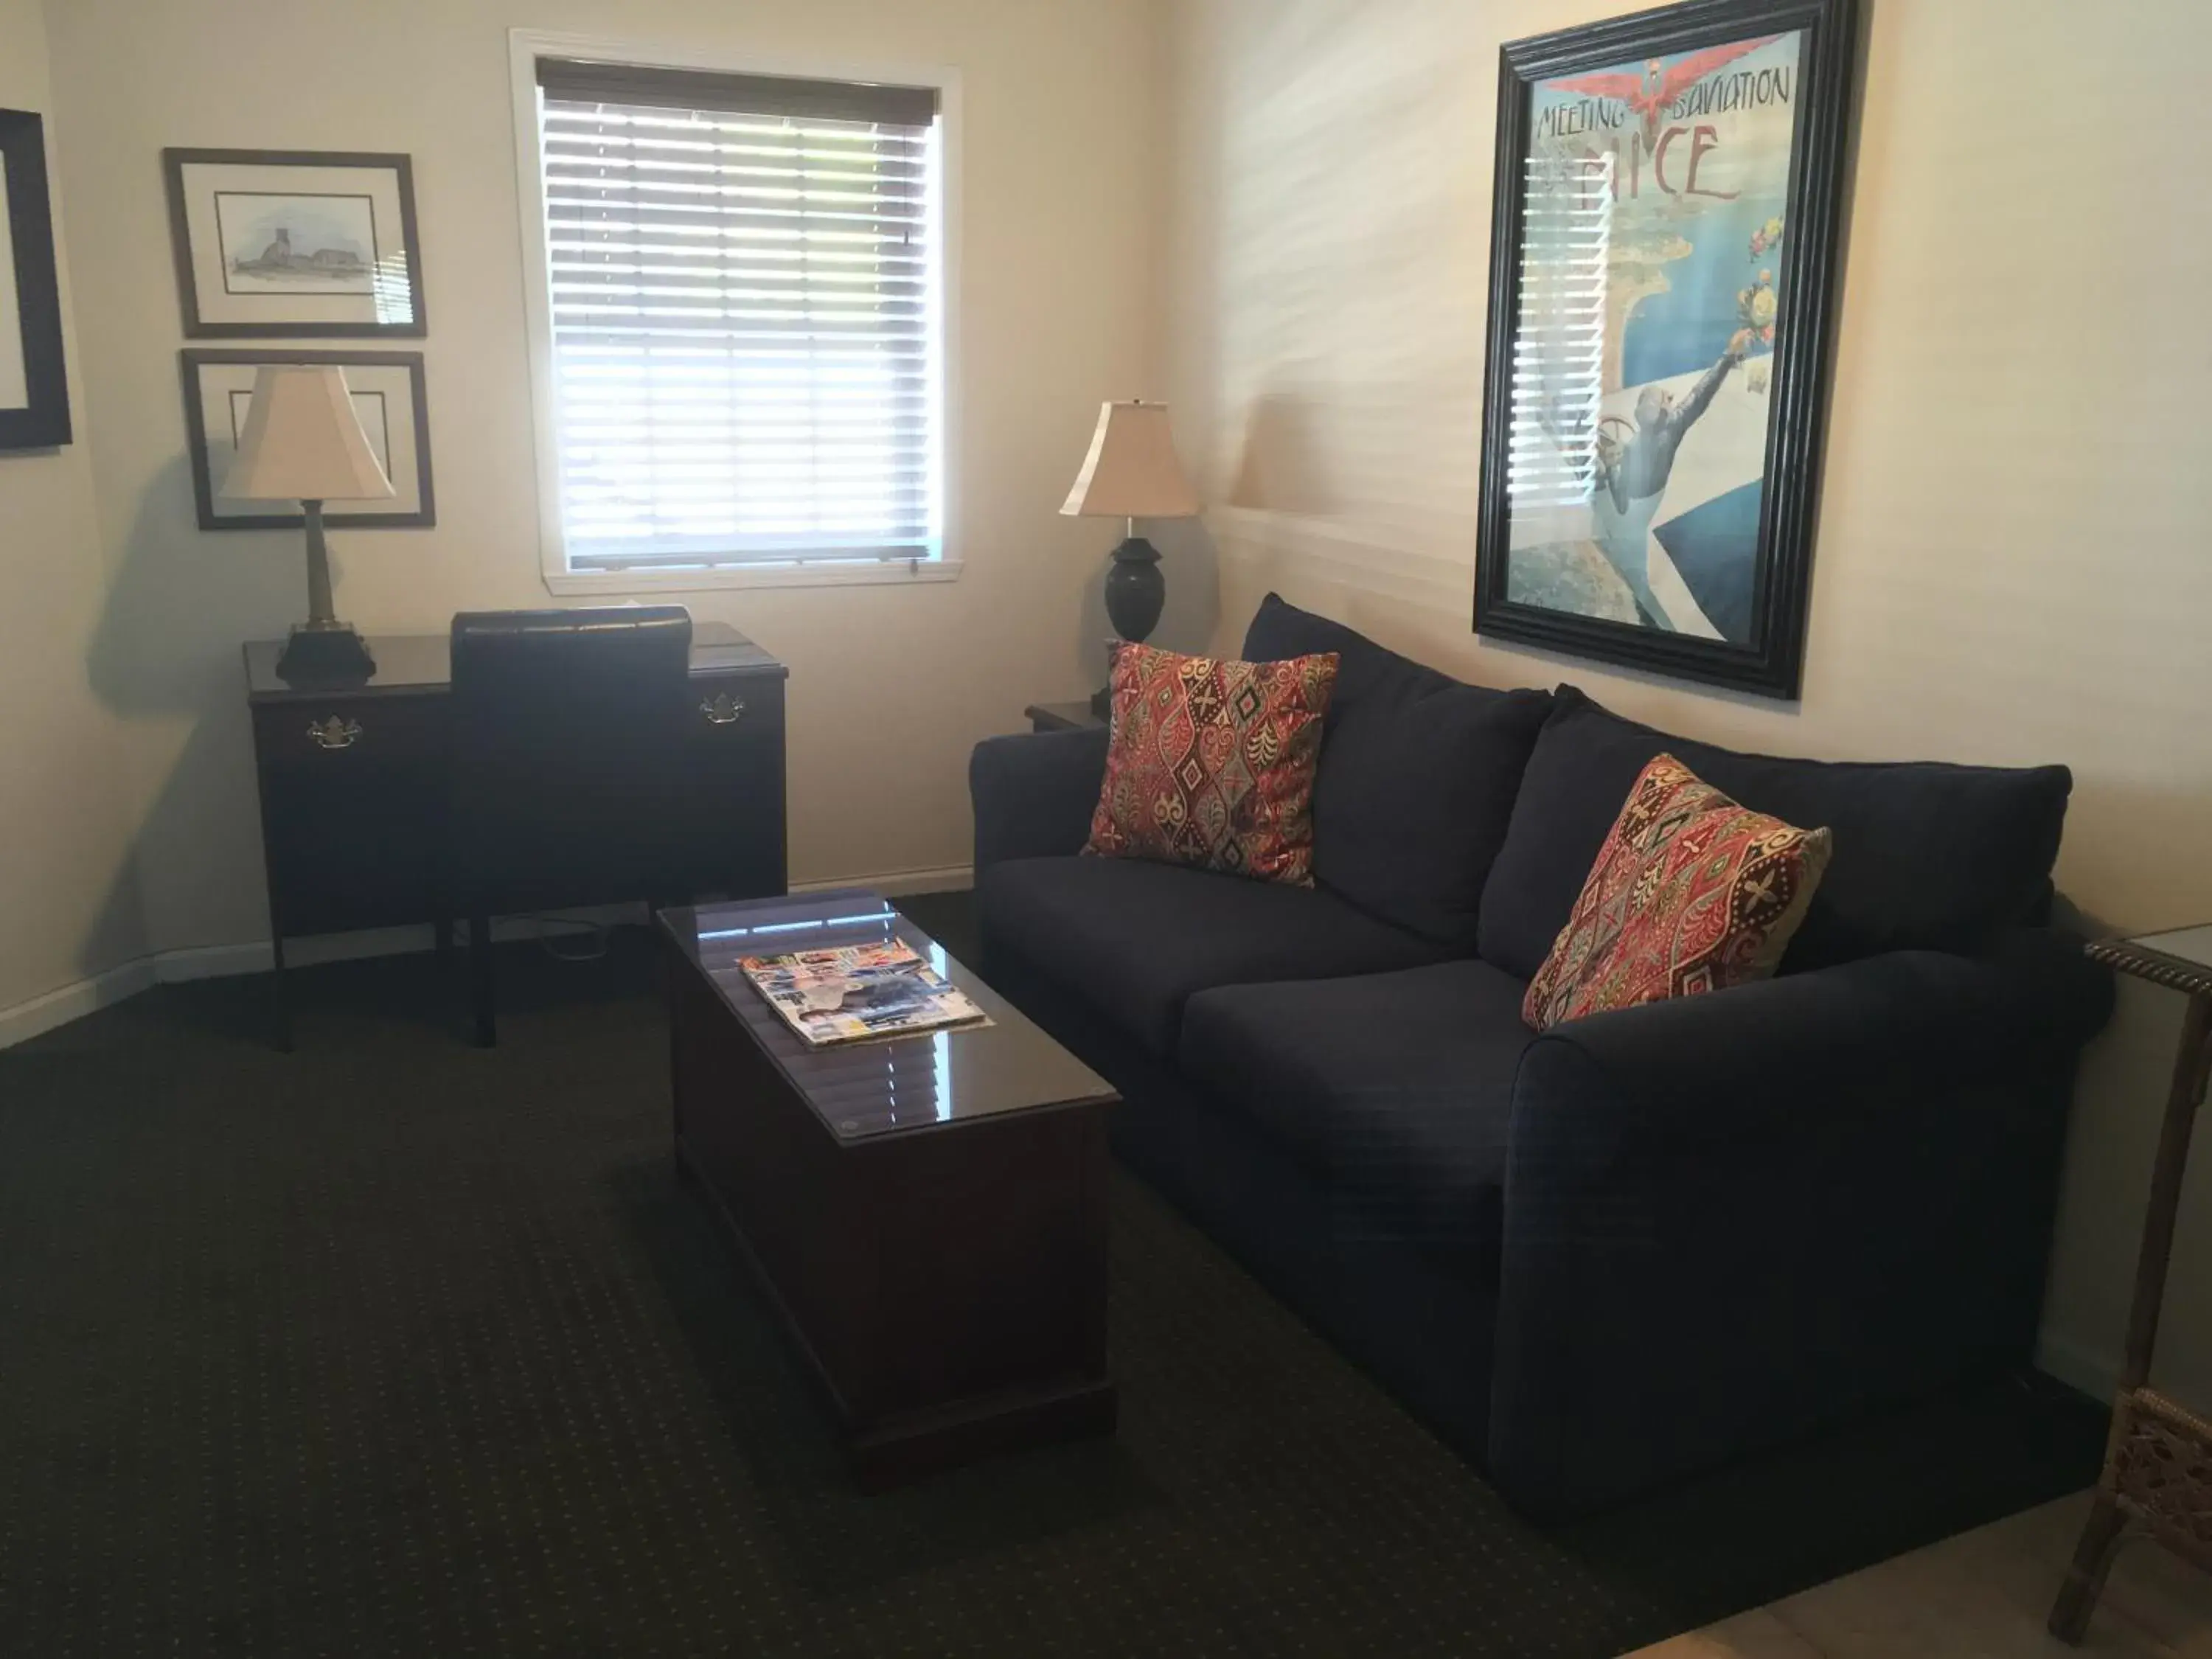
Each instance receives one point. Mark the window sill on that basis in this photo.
(570, 582)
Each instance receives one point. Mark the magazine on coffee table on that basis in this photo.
(858, 994)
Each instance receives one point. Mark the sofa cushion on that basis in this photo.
(1134, 939)
(1396, 1089)
(1211, 762)
(1417, 778)
(1691, 894)
(1928, 855)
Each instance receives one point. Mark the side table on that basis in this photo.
(1061, 716)
(2158, 1463)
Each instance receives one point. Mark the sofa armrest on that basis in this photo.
(1034, 794)
(1760, 1057)
(1731, 1220)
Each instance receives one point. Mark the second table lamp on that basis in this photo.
(304, 443)
(1132, 473)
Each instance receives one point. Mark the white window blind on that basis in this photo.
(745, 317)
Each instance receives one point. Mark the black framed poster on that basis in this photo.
(1663, 274)
(33, 378)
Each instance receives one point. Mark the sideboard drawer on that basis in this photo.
(361, 733)
(352, 810)
(731, 827)
(737, 709)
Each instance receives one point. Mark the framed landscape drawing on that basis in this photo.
(1662, 258)
(33, 381)
(302, 243)
(386, 387)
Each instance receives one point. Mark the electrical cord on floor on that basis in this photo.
(593, 935)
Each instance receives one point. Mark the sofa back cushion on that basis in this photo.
(1928, 855)
(1417, 780)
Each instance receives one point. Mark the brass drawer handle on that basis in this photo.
(335, 733)
(723, 709)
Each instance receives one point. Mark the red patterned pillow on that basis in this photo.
(1211, 763)
(1689, 893)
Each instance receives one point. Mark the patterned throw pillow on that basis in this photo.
(1211, 763)
(1689, 893)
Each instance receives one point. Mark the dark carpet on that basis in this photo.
(392, 1346)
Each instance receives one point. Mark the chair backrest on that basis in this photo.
(568, 730)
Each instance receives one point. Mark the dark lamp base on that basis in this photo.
(1135, 593)
(325, 656)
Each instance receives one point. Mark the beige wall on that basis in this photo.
(2012, 559)
(890, 685)
(68, 909)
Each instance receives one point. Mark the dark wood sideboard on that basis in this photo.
(353, 785)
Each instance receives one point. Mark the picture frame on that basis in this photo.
(295, 244)
(34, 410)
(389, 394)
(1668, 197)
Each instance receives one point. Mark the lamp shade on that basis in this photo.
(1132, 471)
(303, 443)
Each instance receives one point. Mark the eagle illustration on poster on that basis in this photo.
(1661, 82)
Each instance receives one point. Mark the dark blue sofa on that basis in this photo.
(1643, 1243)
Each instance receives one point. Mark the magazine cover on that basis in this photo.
(856, 993)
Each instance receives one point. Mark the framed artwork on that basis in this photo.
(1663, 274)
(300, 243)
(386, 387)
(34, 380)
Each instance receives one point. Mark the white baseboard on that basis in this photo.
(259, 957)
(26, 1020)
(899, 883)
(2077, 1365)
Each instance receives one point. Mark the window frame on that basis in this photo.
(525, 48)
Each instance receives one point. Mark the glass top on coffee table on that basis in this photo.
(900, 1084)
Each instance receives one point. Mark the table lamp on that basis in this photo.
(304, 443)
(1132, 473)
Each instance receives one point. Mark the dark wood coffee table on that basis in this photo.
(926, 1214)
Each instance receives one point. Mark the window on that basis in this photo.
(740, 361)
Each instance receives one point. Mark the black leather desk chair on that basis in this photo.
(566, 728)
